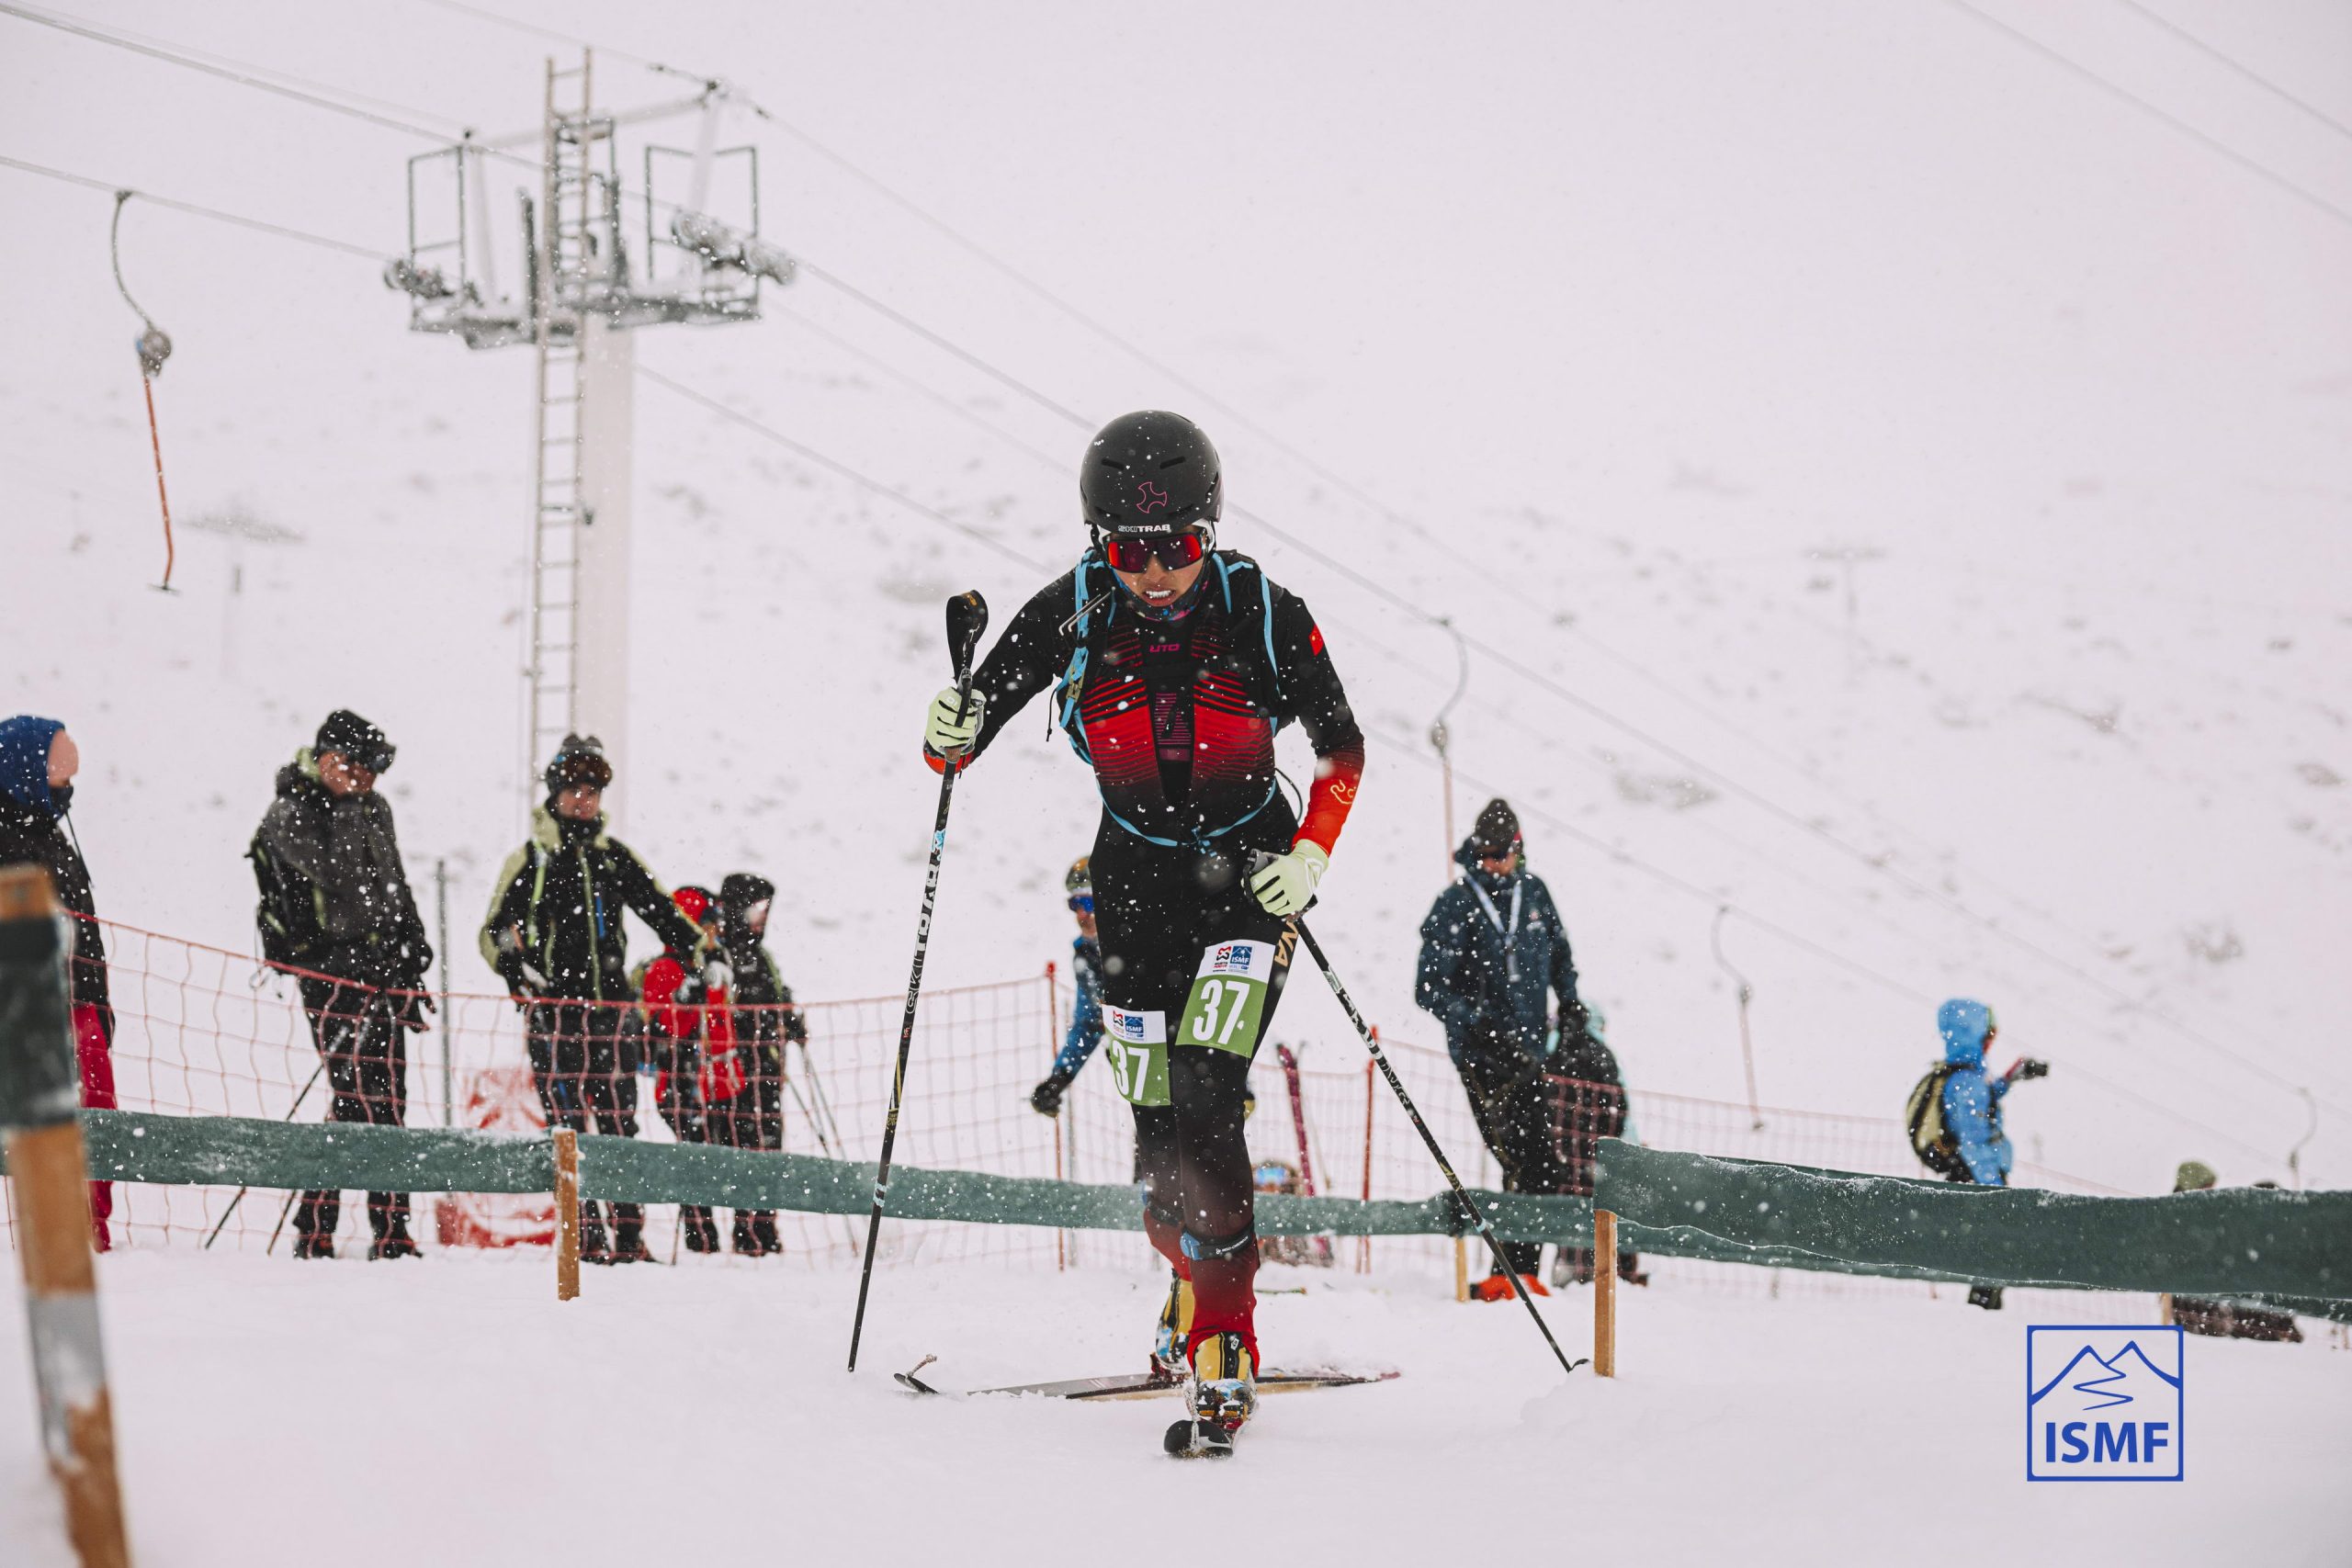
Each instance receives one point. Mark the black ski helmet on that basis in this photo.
(1150, 473)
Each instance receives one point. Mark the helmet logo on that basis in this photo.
(1152, 496)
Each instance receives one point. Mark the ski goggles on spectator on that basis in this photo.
(1081, 903)
(1136, 552)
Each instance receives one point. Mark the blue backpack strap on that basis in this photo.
(1073, 682)
(1265, 617)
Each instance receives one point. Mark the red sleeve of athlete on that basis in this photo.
(1332, 795)
(1317, 701)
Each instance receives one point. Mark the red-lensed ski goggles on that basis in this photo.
(1136, 552)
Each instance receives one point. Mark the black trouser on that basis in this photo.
(366, 1052)
(1508, 1097)
(575, 1064)
(756, 1118)
(1161, 910)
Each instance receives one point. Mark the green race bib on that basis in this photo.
(1135, 1044)
(1228, 1000)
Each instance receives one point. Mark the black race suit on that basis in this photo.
(1177, 715)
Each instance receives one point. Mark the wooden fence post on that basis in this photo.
(1604, 1293)
(40, 1095)
(567, 1214)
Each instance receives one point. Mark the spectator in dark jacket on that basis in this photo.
(764, 1020)
(555, 936)
(336, 905)
(37, 762)
(1494, 951)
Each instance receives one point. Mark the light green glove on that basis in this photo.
(1283, 885)
(944, 734)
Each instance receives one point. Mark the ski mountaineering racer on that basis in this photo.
(1170, 665)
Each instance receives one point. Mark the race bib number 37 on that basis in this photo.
(1135, 1044)
(1228, 999)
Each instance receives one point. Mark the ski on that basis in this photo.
(1150, 1385)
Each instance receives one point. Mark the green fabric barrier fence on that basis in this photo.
(1674, 1206)
(143, 1146)
(2291, 1251)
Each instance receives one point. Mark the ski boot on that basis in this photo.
(1497, 1287)
(1173, 1331)
(594, 1248)
(628, 1234)
(1223, 1393)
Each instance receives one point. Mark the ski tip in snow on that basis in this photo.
(912, 1383)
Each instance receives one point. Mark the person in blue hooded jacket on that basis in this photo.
(37, 762)
(1955, 1111)
(1494, 955)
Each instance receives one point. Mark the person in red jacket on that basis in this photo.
(690, 1038)
(37, 762)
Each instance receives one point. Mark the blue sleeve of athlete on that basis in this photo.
(1085, 1019)
(1968, 1113)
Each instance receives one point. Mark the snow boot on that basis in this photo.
(628, 1233)
(397, 1245)
(1173, 1332)
(593, 1245)
(1497, 1287)
(313, 1244)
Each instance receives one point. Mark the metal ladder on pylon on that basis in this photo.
(567, 252)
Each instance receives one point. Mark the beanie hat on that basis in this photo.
(1495, 834)
(25, 741)
(579, 760)
(742, 889)
(354, 739)
(2194, 1176)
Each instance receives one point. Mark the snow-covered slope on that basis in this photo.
(1630, 320)
(1742, 1430)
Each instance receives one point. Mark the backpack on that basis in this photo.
(1090, 619)
(289, 924)
(1923, 1118)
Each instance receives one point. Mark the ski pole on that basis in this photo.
(1412, 1114)
(967, 616)
(240, 1198)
